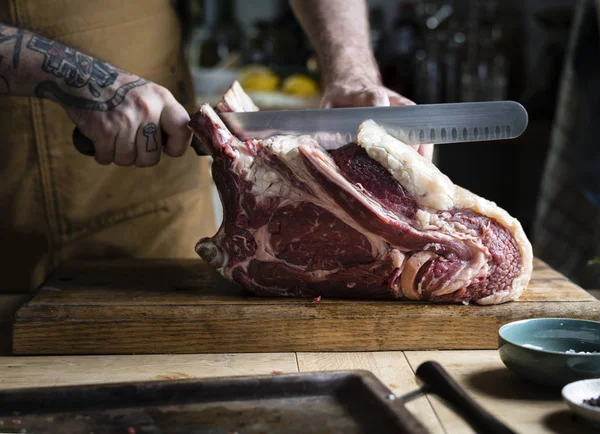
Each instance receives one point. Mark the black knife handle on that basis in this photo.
(439, 382)
(85, 145)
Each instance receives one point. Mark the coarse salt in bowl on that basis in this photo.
(583, 398)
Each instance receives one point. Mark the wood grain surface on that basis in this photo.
(144, 306)
(17, 372)
(524, 407)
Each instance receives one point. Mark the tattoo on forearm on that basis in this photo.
(149, 133)
(18, 38)
(76, 68)
(69, 100)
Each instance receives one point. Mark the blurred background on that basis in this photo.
(430, 51)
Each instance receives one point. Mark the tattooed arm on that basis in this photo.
(123, 114)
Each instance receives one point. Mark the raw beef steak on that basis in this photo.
(373, 220)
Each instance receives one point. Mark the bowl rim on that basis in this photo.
(580, 405)
(515, 323)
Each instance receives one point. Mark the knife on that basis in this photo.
(413, 124)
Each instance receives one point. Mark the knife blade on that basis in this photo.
(413, 125)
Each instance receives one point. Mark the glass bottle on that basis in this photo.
(224, 33)
(404, 38)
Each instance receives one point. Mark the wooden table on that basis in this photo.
(480, 372)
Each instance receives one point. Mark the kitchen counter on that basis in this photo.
(524, 408)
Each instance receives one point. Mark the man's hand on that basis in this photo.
(132, 132)
(351, 93)
(356, 93)
(124, 115)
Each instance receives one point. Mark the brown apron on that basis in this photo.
(58, 204)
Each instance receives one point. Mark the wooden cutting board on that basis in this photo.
(143, 306)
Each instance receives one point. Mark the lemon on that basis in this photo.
(300, 85)
(258, 78)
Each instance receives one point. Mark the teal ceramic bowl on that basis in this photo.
(551, 351)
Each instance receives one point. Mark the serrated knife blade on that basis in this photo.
(413, 125)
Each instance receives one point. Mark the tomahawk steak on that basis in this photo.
(372, 220)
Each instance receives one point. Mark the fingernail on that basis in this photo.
(382, 101)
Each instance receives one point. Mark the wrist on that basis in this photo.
(360, 70)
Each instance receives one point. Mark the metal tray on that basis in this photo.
(326, 402)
